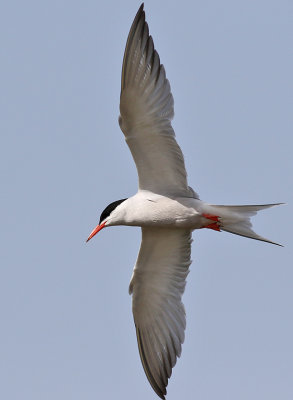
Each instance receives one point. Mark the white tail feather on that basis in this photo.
(236, 219)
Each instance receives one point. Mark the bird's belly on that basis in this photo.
(164, 212)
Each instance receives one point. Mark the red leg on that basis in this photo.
(214, 226)
(211, 217)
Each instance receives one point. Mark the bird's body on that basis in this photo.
(148, 209)
(165, 207)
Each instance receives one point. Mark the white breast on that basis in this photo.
(148, 209)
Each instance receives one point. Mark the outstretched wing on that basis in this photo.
(157, 285)
(146, 108)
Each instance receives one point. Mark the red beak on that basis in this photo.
(96, 230)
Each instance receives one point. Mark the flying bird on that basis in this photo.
(165, 207)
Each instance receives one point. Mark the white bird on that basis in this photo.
(165, 207)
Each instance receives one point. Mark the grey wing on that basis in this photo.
(157, 286)
(146, 108)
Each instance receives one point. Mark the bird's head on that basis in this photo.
(110, 216)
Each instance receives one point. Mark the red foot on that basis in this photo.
(213, 226)
(211, 217)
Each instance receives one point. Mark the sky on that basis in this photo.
(67, 330)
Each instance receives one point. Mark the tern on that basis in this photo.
(165, 207)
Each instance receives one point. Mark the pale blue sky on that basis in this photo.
(66, 324)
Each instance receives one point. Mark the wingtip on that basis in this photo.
(277, 244)
(160, 391)
(141, 9)
(279, 204)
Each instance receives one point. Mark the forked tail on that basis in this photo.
(236, 219)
